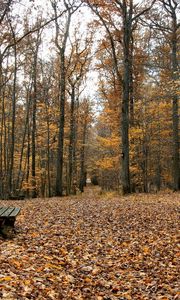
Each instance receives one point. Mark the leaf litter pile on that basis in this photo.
(93, 247)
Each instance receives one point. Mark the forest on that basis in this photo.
(89, 91)
(89, 149)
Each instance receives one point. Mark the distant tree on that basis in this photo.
(78, 66)
(171, 8)
(61, 44)
(85, 120)
(168, 24)
(129, 14)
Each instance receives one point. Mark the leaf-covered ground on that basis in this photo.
(93, 247)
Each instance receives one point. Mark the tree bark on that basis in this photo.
(127, 35)
(62, 87)
(19, 177)
(82, 158)
(33, 133)
(48, 149)
(11, 165)
(175, 100)
(71, 140)
(59, 170)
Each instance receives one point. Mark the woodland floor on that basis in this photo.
(92, 246)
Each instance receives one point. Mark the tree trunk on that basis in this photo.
(28, 160)
(131, 87)
(62, 87)
(34, 105)
(71, 140)
(59, 170)
(1, 131)
(19, 178)
(145, 165)
(33, 137)
(125, 175)
(11, 165)
(175, 76)
(82, 158)
(48, 145)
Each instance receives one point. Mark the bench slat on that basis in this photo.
(2, 210)
(15, 212)
(7, 212)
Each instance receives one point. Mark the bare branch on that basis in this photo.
(7, 6)
(143, 11)
(30, 32)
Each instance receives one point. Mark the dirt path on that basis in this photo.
(93, 247)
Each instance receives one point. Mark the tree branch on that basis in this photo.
(30, 32)
(5, 10)
(143, 11)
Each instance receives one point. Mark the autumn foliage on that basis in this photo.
(88, 88)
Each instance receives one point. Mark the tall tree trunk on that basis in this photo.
(62, 87)
(48, 159)
(127, 27)
(28, 160)
(5, 150)
(19, 177)
(48, 145)
(175, 76)
(74, 154)
(131, 88)
(59, 170)
(145, 151)
(82, 159)
(11, 165)
(1, 130)
(3, 145)
(34, 99)
(34, 105)
(71, 140)
(158, 163)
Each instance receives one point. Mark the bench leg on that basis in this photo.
(7, 227)
(10, 222)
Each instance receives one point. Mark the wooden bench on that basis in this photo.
(8, 216)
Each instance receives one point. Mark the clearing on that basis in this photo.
(93, 247)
